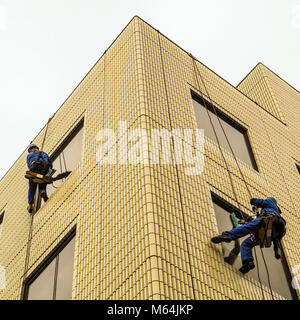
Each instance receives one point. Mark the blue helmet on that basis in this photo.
(272, 200)
(31, 146)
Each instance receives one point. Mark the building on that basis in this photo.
(125, 230)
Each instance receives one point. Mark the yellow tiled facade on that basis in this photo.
(143, 231)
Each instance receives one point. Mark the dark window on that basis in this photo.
(53, 281)
(236, 134)
(67, 156)
(1, 222)
(280, 277)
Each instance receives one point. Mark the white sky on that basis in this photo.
(48, 46)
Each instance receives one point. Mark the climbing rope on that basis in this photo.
(63, 156)
(215, 133)
(36, 199)
(226, 165)
(176, 169)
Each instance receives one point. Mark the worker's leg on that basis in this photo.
(42, 191)
(243, 230)
(31, 191)
(246, 248)
(246, 254)
(239, 232)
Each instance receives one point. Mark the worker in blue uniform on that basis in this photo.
(37, 161)
(269, 206)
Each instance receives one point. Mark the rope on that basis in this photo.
(60, 172)
(283, 177)
(268, 277)
(258, 275)
(220, 148)
(63, 156)
(36, 198)
(177, 174)
(60, 165)
(215, 133)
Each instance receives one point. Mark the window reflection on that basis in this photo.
(42, 288)
(237, 136)
(66, 158)
(55, 281)
(65, 272)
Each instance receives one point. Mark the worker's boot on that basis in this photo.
(30, 208)
(247, 266)
(44, 196)
(221, 238)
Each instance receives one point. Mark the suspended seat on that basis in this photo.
(40, 178)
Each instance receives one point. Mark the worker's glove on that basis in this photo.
(252, 201)
(242, 221)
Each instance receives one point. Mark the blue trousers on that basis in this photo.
(32, 189)
(241, 231)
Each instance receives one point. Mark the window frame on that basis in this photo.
(229, 208)
(61, 147)
(1, 222)
(2, 217)
(53, 255)
(298, 167)
(66, 141)
(232, 122)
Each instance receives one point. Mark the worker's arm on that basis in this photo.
(28, 161)
(46, 157)
(245, 220)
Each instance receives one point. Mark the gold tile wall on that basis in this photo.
(143, 231)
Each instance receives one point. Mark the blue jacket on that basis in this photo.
(266, 205)
(32, 156)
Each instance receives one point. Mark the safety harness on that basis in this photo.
(272, 229)
(265, 231)
(40, 171)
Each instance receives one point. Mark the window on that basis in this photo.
(1, 222)
(67, 156)
(280, 277)
(237, 135)
(298, 168)
(53, 281)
